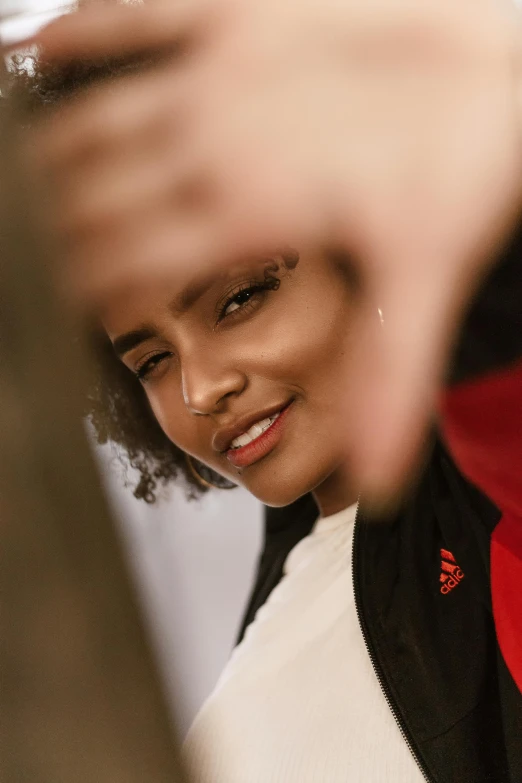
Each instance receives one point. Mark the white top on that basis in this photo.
(299, 701)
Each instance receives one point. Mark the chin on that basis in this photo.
(279, 501)
(281, 490)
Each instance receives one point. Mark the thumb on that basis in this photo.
(397, 369)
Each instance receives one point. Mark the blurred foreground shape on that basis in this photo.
(81, 698)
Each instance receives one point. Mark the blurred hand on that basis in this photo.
(386, 129)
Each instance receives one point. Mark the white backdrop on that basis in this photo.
(193, 563)
(31, 14)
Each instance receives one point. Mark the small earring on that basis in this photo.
(205, 483)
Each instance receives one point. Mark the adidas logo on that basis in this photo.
(451, 574)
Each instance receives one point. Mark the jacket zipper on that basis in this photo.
(410, 742)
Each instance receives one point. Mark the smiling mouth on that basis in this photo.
(259, 440)
(253, 433)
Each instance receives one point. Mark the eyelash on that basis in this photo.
(252, 288)
(149, 363)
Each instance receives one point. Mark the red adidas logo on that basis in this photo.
(451, 574)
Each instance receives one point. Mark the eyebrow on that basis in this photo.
(126, 342)
(188, 297)
(194, 291)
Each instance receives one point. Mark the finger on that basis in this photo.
(397, 373)
(109, 197)
(114, 30)
(172, 247)
(106, 117)
(163, 239)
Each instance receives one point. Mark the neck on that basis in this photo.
(336, 492)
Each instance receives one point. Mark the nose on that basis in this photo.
(208, 382)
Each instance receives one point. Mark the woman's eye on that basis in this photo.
(243, 298)
(239, 300)
(148, 366)
(246, 296)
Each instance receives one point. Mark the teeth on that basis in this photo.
(254, 432)
(242, 440)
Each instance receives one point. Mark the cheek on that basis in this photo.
(304, 347)
(171, 413)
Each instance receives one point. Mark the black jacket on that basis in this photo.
(429, 627)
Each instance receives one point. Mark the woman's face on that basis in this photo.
(243, 369)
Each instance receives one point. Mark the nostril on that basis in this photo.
(206, 393)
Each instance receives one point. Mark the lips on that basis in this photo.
(223, 438)
(254, 432)
(262, 445)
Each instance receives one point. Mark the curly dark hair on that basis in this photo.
(116, 404)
